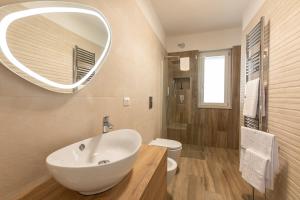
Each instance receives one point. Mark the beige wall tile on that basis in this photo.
(36, 122)
(284, 76)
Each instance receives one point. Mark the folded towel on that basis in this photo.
(266, 145)
(248, 137)
(251, 98)
(247, 140)
(254, 170)
(258, 140)
(273, 166)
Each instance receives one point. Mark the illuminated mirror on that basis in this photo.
(59, 46)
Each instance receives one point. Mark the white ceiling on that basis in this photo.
(193, 16)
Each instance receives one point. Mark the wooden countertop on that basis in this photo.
(147, 180)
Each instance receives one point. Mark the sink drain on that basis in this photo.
(102, 162)
(81, 147)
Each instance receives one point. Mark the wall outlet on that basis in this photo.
(126, 101)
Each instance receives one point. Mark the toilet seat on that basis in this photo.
(173, 147)
(170, 144)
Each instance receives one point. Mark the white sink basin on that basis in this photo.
(96, 164)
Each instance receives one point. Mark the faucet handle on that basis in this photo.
(105, 118)
(110, 126)
(106, 124)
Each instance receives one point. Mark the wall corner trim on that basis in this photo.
(251, 10)
(148, 11)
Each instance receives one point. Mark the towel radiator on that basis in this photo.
(83, 61)
(257, 66)
(257, 48)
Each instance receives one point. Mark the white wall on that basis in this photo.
(252, 8)
(152, 18)
(206, 41)
(86, 26)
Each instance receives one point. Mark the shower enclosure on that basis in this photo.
(179, 96)
(190, 123)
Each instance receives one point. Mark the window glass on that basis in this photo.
(214, 79)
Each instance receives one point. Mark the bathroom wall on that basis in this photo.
(154, 21)
(202, 126)
(251, 10)
(284, 84)
(27, 38)
(212, 40)
(219, 127)
(34, 122)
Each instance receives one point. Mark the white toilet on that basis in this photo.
(171, 169)
(174, 151)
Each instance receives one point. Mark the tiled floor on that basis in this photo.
(209, 174)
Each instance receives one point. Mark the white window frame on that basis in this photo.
(227, 85)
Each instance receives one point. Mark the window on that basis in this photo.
(215, 79)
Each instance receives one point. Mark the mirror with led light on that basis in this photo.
(59, 46)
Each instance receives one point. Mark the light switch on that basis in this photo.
(150, 102)
(126, 101)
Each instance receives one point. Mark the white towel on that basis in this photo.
(254, 171)
(247, 140)
(248, 137)
(251, 98)
(265, 144)
(273, 166)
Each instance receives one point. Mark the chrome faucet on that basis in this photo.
(106, 124)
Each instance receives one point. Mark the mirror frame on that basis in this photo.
(13, 16)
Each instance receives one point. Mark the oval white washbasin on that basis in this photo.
(96, 164)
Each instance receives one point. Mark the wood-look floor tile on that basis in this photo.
(208, 174)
